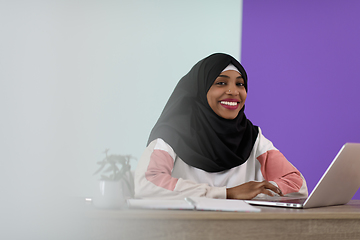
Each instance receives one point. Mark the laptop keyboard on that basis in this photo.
(280, 199)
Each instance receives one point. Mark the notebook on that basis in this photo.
(337, 186)
(193, 203)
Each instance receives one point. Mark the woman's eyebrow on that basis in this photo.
(225, 76)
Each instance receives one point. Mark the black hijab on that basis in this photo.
(199, 136)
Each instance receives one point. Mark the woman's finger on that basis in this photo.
(267, 192)
(272, 187)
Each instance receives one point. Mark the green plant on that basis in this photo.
(118, 166)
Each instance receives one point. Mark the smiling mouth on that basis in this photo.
(229, 105)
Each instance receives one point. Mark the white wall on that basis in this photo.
(77, 77)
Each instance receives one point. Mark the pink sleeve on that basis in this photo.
(153, 176)
(275, 167)
(159, 170)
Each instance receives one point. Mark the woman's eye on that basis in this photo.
(240, 84)
(220, 83)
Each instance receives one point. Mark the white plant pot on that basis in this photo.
(111, 194)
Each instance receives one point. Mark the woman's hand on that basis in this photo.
(251, 189)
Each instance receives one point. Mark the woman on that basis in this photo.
(204, 146)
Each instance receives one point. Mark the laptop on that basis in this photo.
(337, 186)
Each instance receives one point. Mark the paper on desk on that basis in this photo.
(196, 203)
(223, 205)
(159, 204)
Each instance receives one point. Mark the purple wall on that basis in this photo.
(303, 63)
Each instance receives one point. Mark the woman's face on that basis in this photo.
(227, 95)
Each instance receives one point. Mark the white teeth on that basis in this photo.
(229, 103)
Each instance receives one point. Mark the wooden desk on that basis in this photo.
(336, 222)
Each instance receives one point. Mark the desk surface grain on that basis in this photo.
(348, 211)
(334, 222)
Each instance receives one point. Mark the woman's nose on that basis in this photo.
(232, 90)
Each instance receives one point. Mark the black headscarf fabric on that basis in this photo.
(199, 136)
